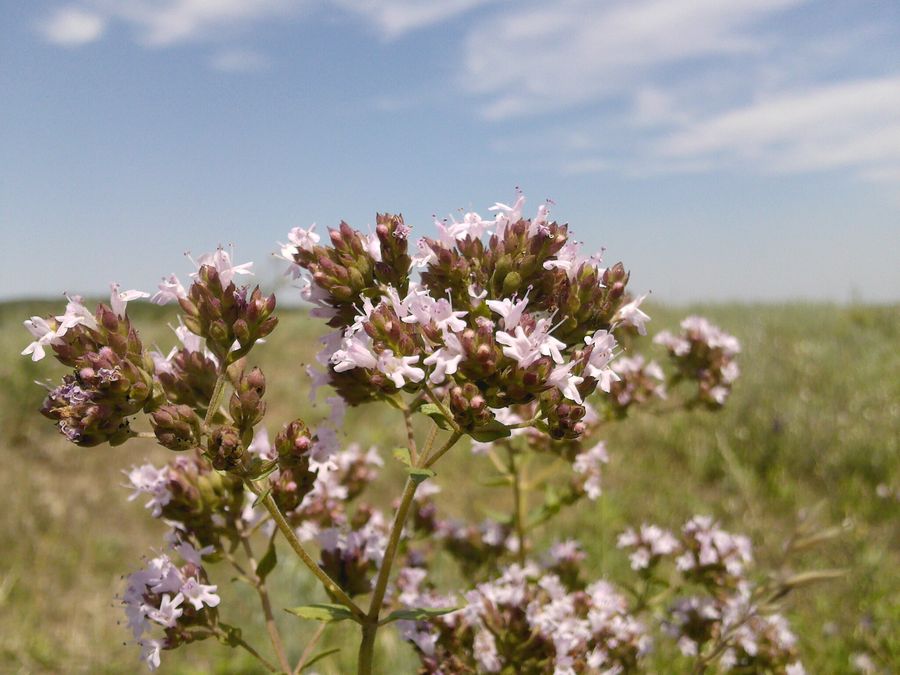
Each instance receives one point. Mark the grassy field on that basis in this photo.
(815, 419)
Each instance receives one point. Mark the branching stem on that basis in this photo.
(284, 527)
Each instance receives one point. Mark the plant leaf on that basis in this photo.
(416, 614)
(402, 454)
(435, 413)
(417, 475)
(261, 497)
(322, 611)
(268, 562)
(490, 432)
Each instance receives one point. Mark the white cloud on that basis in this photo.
(173, 21)
(72, 27)
(397, 17)
(239, 61)
(853, 124)
(552, 56)
(160, 23)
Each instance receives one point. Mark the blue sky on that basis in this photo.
(747, 149)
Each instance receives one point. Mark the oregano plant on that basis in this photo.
(509, 343)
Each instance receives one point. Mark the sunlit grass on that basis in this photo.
(815, 417)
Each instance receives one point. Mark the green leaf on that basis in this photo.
(435, 413)
(319, 657)
(268, 562)
(490, 432)
(261, 497)
(417, 614)
(322, 611)
(418, 475)
(402, 454)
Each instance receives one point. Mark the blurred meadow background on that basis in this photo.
(813, 425)
(742, 159)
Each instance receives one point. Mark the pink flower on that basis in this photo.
(118, 300)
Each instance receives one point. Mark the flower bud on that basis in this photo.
(225, 449)
(176, 427)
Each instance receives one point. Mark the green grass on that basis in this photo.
(814, 419)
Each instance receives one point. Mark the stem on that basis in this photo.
(240, 642)
(307, 652)
(410, 437)
(367, 649)
(455, 436)
(215, 399)
(409, 492)
(262, 591)
(434, 399)
(518, 502)
(282, 524)
(370, 626)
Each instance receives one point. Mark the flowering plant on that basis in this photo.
(497, 331)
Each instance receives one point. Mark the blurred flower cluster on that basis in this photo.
(497, 330)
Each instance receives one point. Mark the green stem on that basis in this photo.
(410, 437)
(265, 602)
(440, 405)
(307, 652)
(370, 626)
(367, 649)
(215, 399)
(455, 436)
(518, 499)
(330, 585)
(240, 642)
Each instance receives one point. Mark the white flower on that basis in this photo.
(355, 352)
(587, 463)
(425, 255)
(304, 239)
(118, 300)
(170, 290)
(518, 347)
(198, 594)
(445, 360)
(221, 260)
(45, 334)
(562, 378)
(150, 653)
(399, 370)
(168, 612)
(630, 315)
(510, 310)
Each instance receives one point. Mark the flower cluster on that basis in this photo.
(173, 597)
(111, 381)
(638, 381)
(527, 620)
(519, 318)
(191, 497)
(705, 353)
(498, 329)
(750, 641)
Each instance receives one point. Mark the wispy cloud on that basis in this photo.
(239, 61)
(398, 17)
(553, 56)
(161, 23)
(848, 125)
(72, 27)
